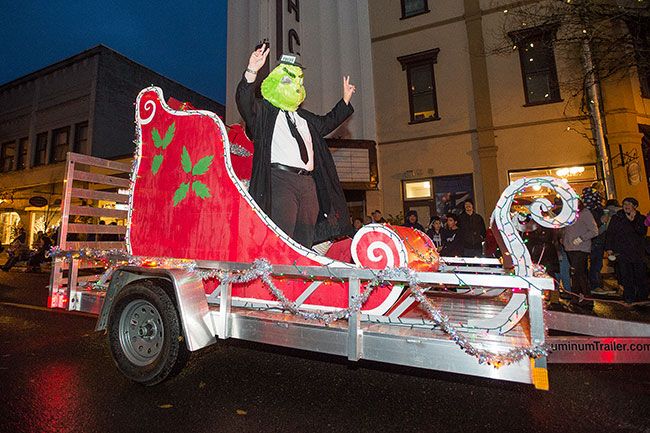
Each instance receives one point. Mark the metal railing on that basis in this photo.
(88, 182)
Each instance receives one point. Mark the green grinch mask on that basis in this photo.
(283, 87)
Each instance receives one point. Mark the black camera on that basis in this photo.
(265, 41)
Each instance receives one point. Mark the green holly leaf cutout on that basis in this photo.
(203, 165)
(181, 193)
(155, 165)
(157, 141)
(186, 162)
(200, 189)
(163, 142)
(169, 135)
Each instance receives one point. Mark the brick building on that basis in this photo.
(82, 104)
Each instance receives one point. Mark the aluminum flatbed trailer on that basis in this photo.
(208, 318)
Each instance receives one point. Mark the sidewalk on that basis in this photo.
(607, 306)
(21, 287)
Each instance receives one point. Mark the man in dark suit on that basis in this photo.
(294, 178)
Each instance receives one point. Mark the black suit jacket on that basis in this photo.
(260, 116)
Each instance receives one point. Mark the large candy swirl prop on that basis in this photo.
(541, 211)
(375, 246)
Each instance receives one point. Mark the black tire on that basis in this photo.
(145, 334)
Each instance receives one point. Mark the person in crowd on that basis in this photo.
(452, 245)
(612, 206)
(377, 218)
(17, 250)
(541, 243)
(576, 239)
(44, 243)
(53, 234)
(434, 231)
(411, 220)
(491, 246)
(357, 224)
(593, 200)
(472, 231)
(625, 240)
(367, 220)
(294, 178)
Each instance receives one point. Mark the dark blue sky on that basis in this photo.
(185, 41)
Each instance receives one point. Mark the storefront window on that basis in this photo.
(8, 226)
(578, 176)
(438, 195)
(451, 193)
(417, 189)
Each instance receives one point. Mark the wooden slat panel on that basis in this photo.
(101, 178)
(99, 162)
(100, 195)
(100, 245)
(95, 228)
(98, 212)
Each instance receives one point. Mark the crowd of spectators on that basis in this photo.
(604, 231)
(453, 234)
(19, 249)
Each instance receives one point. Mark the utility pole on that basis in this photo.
(595, 116)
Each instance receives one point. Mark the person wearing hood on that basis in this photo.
(294, 178)
(471, 231)
(411, 220)
(625, 240)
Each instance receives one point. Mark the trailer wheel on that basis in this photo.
(144, 334)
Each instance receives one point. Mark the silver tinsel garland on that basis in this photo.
(262, 269)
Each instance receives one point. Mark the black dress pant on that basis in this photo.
(294, 205)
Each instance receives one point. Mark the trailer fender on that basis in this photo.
(198, 328)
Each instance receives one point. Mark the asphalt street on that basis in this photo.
(57, 375)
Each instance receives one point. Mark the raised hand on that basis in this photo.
(348, 89)
(257, 59)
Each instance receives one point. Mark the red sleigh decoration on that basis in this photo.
(192, 182)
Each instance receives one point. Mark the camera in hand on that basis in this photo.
(265, 41)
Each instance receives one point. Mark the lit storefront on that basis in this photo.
(579, 177)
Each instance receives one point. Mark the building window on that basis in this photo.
(60, 144)
(41, 149)
(640, 32)
(421, 84)
(7, 155)
(23, 144)
(411, 8)
(437, 196)
(537, 61)
(418, 189)
(80, 137)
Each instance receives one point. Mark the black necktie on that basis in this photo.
(298, 137)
